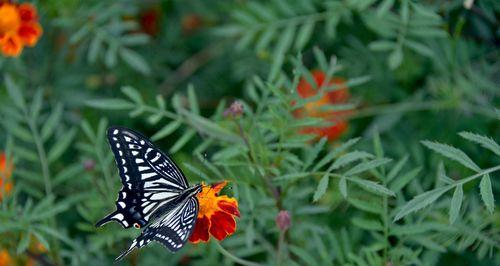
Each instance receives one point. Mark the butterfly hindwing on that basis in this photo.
(172, 229)
(150, 178)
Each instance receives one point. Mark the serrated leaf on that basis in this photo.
(452, 153)
(487, 193)
(313, 153)
(51, 123)
(285, 41)
(441, 173)
(322, 187)
(349, 158)
(421, 201)
(456, 203)
(110, 104)
(400, 182)
(332, 154)
(484, 141)
(343, 186)
(397, 168)
(365, 166)
(372, 186)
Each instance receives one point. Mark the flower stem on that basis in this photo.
(233, 257)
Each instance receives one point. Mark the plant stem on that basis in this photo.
(233, 257)
(42, 156)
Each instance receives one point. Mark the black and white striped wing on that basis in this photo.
(150, 178)
(172, 229)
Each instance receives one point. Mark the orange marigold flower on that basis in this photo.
(216, 214)
(6, 167)
(5, 259)
(19, 27)
(313, 108)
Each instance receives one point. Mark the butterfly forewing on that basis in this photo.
(150, 178)
(172, 229)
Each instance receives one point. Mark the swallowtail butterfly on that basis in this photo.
(155, 195)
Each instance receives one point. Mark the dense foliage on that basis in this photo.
(350, 132)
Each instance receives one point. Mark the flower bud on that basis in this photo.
(89, 165)
(283, 220)
(235, 109)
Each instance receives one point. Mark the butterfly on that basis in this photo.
(155, 195)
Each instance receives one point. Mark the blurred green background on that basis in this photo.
(405, 173)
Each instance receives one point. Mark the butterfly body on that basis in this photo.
(155, 195)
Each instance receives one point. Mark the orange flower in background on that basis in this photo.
(5, 259)
(6, 167)
(19, 27)
(216, 214)
(313, 108)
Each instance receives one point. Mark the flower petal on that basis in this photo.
(230, 206)
(12, 45)
(29, 33)
(222, 225)
(27, 12)
(217, 187)
(200, 232)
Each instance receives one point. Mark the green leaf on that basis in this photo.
(135, 60)
(367, 224)
(208, 127)
(110, 104)
(304, 34)
(372, 186)
(367, 206)
(452, 153)
(397, 168)
(487, 193)
(166, 130)
(285, 41)
(94, 48)
(313, 153)
(349, 158)
(193, 102)
(322, 187)
(182, 141)
(484, 141)
(307, 258)
(421, 201)
(395, 58)
(23, 243)
(456, 203)
(419, 48)
(332, 154)
(132, 94)
(36, 104)
(385, 6)
(382, 46)
(52, 122)
(400, 182)
(15, 93)
(61, 145)
(343, 186)
(365, 166)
